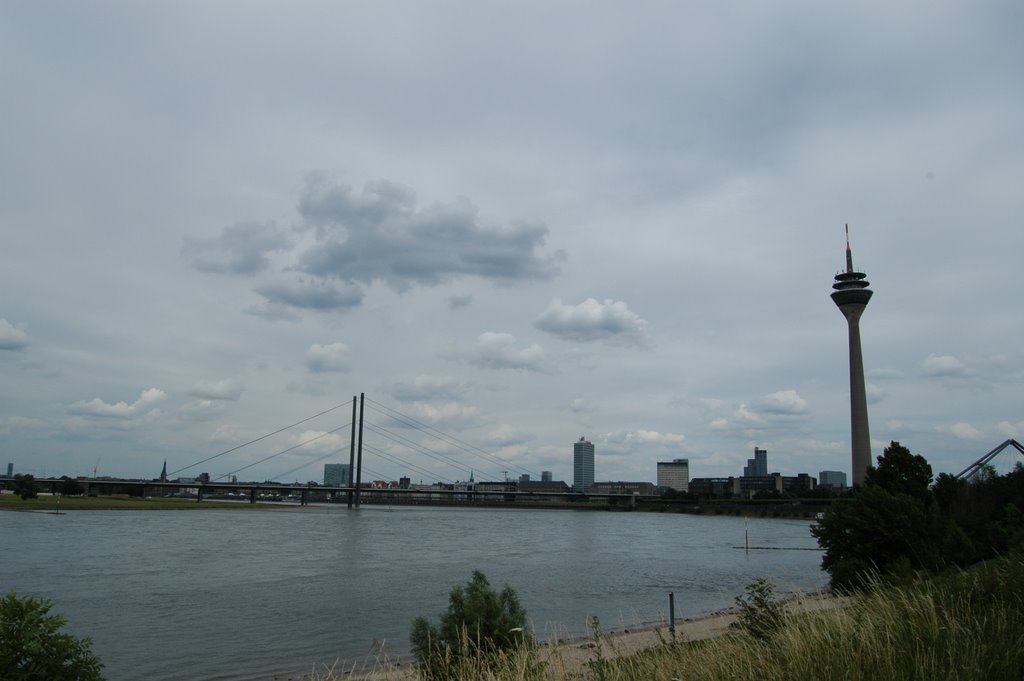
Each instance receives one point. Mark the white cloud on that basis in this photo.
(12, 337)
(965, 431)
(1011, 430)
(428, 388)
(331, 357)
(783, 403)
(120, 410)
(591, 321)
(944, 366)
(498, 351)
(224, 389)
(320, 441)
(240, 249)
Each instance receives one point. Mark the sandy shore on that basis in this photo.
(573, 655)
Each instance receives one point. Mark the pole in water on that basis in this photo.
(672, 613)
(746, 536)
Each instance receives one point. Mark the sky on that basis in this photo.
(518, 224)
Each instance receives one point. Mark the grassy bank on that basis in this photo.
(12, 502)
(966, 625)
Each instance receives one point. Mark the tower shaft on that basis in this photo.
(860, 433)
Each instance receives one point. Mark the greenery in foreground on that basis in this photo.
(32, 648)
(474, 633)
(898, 523)
(963, 624)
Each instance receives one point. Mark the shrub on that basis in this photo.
(479, 625)
(760, 614)
(33, 649)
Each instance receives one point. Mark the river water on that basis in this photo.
(250, 595)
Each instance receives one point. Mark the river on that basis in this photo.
(250, 595)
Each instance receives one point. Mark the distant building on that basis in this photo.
(525, 477)
(620, 487)
(582, 465)
(10, 470)
(337, 475)
(783, 484)
(545, 476)
(835, 479)
(544, 487)
(758, 466)
(674, 474)
(715, 488)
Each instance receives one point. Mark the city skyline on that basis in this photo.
(218, 222)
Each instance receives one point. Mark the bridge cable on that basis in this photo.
(285, 451)
(262, 437)
(423, 449)
(450, 439)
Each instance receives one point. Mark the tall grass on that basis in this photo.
(966, 625)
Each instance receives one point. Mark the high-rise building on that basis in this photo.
(10, 470)
(851, 295)
(545, 476)
(582, 465)
(758, 466)
(674, 474)
(337, 475)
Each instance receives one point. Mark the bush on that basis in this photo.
(480, 624)
(25, 486)
(33, 649)
(760, 615)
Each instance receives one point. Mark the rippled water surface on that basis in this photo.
(247, 594)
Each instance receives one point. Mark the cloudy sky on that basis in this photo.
(517, 223)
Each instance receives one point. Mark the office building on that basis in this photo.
(582, 465)
(851, 295)
(337, 475)
(758, 466)
(836, 479)
(674, 474)
(10, 470)
(545, 476)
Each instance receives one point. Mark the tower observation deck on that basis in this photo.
(851, 295)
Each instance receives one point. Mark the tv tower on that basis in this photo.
(852, 295)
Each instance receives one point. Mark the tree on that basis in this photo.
(875, 530)
(901, 472)
(25, 486)
(33, 649)
(479, 621)
(69, 487)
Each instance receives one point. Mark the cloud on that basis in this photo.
(875, 393)
(12, 337)
(592, 321)
(1011, 430)
(240, 249)
(324, 358)
(121, 410)
(498, 351)
(505, 435)
(380, 234)
(428, 388)
(320, 441)
(311, 294)
(965, 431)
(226, 389)
(783, 403)
(459, 302)
(944, 366)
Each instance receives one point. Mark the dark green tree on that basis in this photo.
(69, 486)
(875, 530)
(33, 649)
(479, 621)
(25, 486)
(901, 472)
